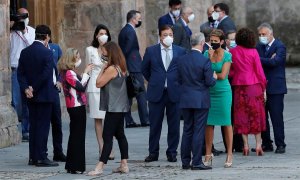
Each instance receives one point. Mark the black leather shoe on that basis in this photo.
(132, 125)
(59, 157)
(172, 158)
(46, 163)
(280, 150)
(186, 167)
(151, 158)
(32, 162)
(25, 138)
(268, 148)
(216, 152)
(201, 167)
(145, 124)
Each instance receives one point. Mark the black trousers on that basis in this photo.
(57, 134)
(114, 126)
(76, 144)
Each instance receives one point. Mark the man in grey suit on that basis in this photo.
(182, 33)
(210, 24)
(195, 76)
(220, 14)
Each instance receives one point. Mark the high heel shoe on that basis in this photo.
(121, 169)
(228, 163)
(259, 152)
(95, 172)
(246, 151)
(208, 162)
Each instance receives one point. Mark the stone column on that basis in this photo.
(9, 134)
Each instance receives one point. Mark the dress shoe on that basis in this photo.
(216, 152)
(264, 148)
(280, 150)
(151, 158)
(201, 167)
(46, 163)
(25, 138)
(132, 125)
(186, 167)
(32, 162)
(74, 172)
(59, 157)
(145, 124)
(208, 160)
(259, 151)
(239, 149)
(246, 152)
(172, 158)
(121, 169)
(228, 162)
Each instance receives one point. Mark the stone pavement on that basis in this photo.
(13, 160)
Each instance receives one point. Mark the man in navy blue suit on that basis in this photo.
(130, 46)
(160, 70)
(37, 79)
(225, 23)
(195, 77)
(272, 54)
(171, 17)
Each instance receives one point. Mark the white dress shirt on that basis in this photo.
(19, 41)
(163, 57)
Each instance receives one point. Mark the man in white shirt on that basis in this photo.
(18, 41)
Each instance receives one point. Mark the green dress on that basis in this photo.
(220, 96)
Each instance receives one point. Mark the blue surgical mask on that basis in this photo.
(232, 44)
(263, 40)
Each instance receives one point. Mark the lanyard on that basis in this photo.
(23, 39)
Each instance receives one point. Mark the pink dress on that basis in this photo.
(249, 83)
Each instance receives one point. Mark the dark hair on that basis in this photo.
(41, 32)
(95, 42)
(174, 2)
(218, 33)
(223, 7)
(229, 32)
(131, 14)
(245, 37)
(115, 55)
(164, 27)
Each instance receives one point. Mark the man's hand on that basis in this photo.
(29, 92)
(58, 85)
(215, 75)
(273, 56)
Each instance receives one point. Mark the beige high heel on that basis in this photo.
(95, 172)
(228, 163)
(121, 169)
(208, 162)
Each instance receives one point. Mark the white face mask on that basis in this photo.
(263, 40)
(176, 13)
(168, 41)
(103, 38)
(26, 21)
(215, 15)
(77, 64)
(191, 17)
(232, 44)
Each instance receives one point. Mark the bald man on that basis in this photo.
(211, 22)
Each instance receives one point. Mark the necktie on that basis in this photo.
(267, 47)
(168, 59)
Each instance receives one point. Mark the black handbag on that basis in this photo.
(134, 87)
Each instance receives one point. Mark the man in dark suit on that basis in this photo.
(220, 14)
(195, 77)
(160, 70)
(211, 22)
(272, 54)
(36, 75)
(182, 32)
(171, 17)
(130, 46)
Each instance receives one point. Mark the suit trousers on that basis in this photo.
(193, 135)
(156, 116)
(114, 126)
(141, 102)
(76, 144)
(57, 134)
(39, 118)
(274, 107)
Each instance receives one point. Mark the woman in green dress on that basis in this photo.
(220, 96)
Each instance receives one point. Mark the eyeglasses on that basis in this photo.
(217, 11)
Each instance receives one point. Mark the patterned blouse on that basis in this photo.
(74, 88)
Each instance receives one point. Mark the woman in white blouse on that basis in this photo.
(94, 56)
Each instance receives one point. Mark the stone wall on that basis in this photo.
(9, 134)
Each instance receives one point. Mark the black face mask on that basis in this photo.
(215, 45)
(211, 19)
(104, 58)
(139, 24)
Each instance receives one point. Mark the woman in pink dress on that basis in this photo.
(249, 84)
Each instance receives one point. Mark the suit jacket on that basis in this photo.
(36, 69)
(92, 56)
(155, 73)
(274, 68)
(165, 20)
(181, 36)
(56, 50)
(130, 46)
(226, 25)
(195, 77)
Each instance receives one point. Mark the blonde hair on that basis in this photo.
(68, 60)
